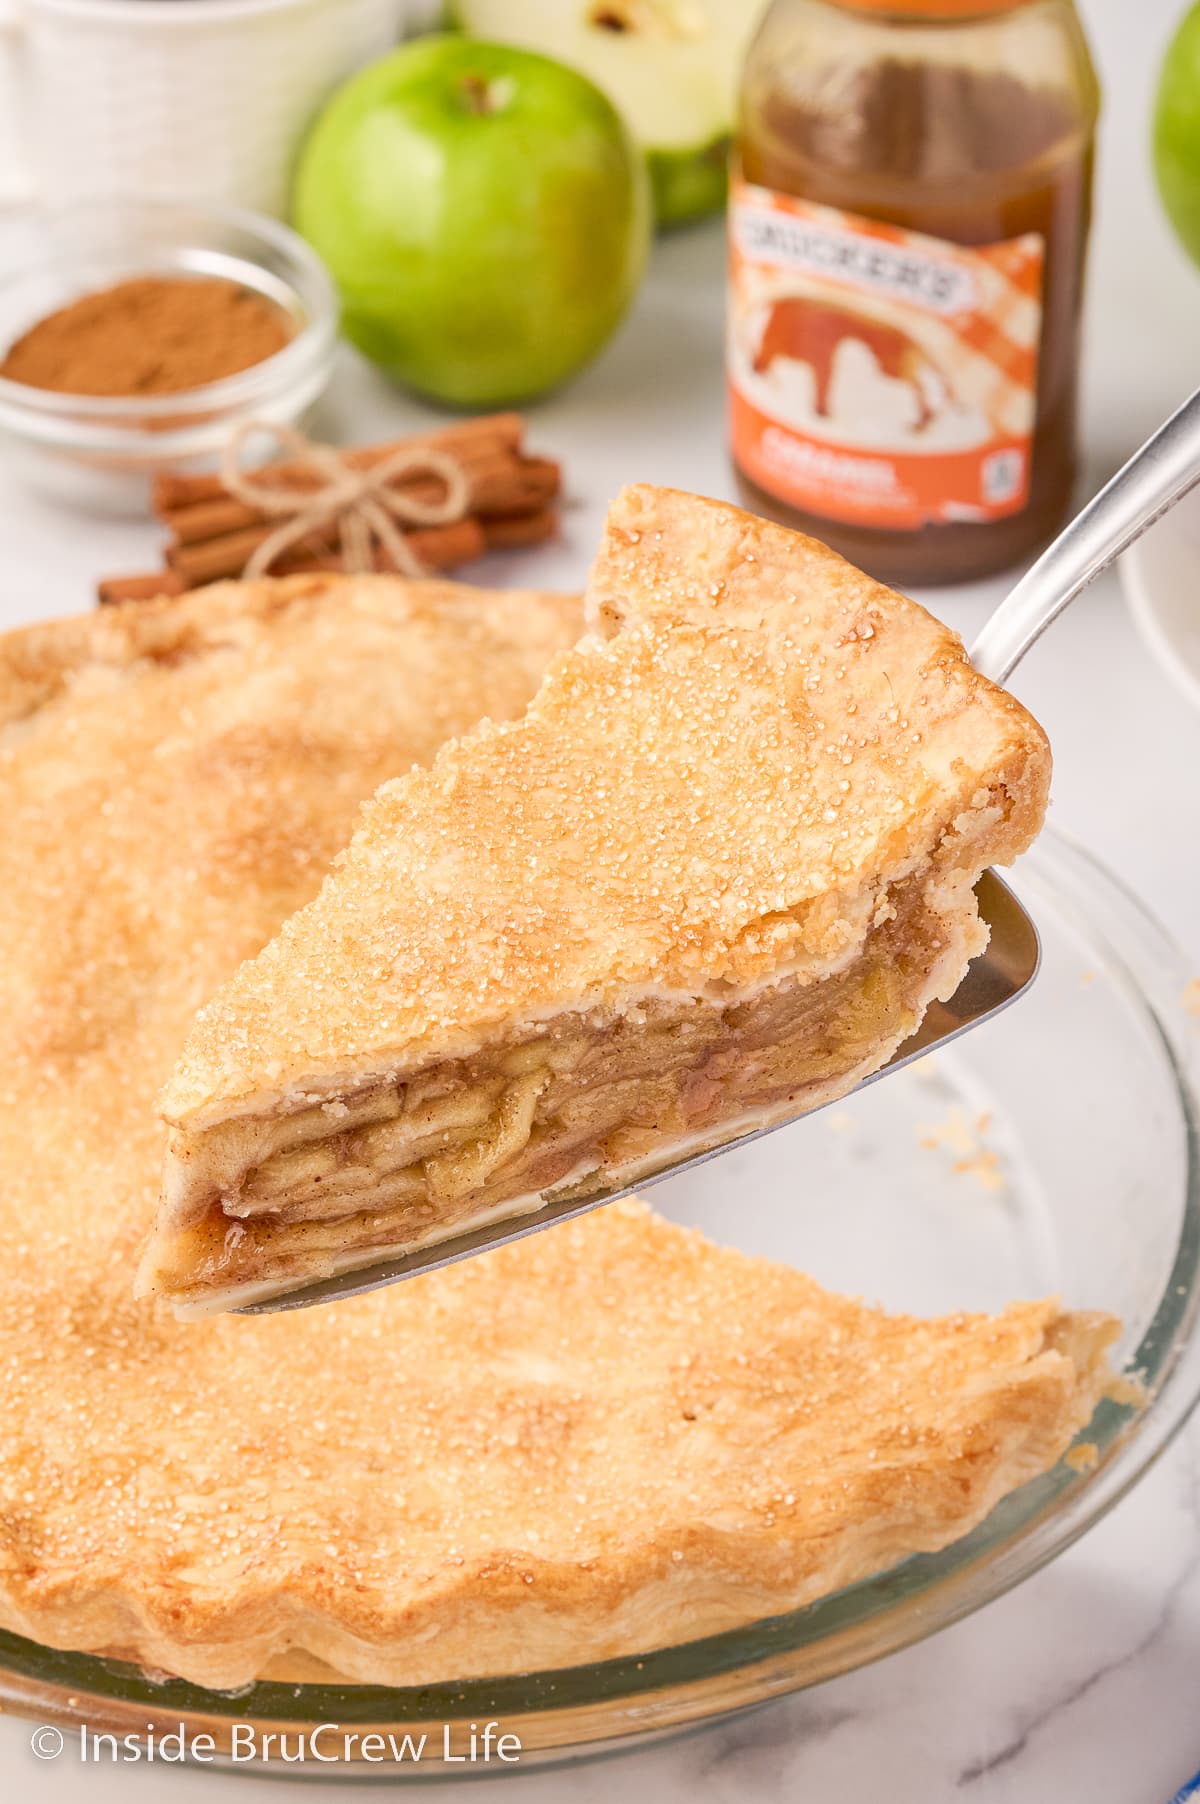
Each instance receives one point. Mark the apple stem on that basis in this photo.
(477, 93)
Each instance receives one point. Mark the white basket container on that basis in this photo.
(192, 99)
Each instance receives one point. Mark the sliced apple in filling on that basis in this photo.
(716, 874)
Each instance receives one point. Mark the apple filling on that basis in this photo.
(585, 1100)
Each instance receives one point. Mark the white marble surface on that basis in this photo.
(1084, 1684)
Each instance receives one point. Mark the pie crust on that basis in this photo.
(593, 1443)
(714, 876)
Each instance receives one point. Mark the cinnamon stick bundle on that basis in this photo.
(149, 586)
(502, 484)
(505, 429)
(510, 503)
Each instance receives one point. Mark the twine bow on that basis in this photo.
(366, 505)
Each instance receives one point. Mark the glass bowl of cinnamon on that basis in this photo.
(137, 335)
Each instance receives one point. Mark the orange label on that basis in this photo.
(878, 376)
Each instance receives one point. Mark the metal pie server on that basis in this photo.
(1154, 479)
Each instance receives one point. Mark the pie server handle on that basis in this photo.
(1154, 479)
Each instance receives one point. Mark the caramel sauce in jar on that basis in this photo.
(908, 228)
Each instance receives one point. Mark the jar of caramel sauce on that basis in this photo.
(909, 218)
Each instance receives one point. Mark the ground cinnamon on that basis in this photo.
(152, 335)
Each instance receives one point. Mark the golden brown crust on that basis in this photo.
(720, 1441)
(733, 790)
(665, 557)
(594, 1442)
(689, 804)
(448, 632)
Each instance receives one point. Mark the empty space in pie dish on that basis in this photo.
(1045, 1154)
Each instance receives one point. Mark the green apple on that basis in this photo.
(1177, 132)
(671, 66)
(485, 215)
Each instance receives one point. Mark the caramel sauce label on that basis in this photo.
(879, 376)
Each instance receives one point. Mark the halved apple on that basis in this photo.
(670, 66)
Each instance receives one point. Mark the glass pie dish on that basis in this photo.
(1055, 1150)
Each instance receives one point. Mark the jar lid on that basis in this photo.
(933, 9)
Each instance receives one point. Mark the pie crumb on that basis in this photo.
(1127, 1389)
(963, 1137)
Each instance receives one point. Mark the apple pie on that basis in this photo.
(713, 876)
(589, 1444)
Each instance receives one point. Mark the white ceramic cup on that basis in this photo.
(194, 99)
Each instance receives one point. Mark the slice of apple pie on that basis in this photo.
(717, 871)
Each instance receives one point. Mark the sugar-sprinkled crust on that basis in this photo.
(608, 1439)
(880, 666)
(767, 760)
(595, 1442)
(692, 803)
